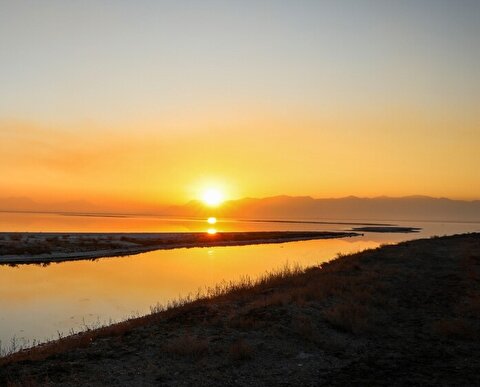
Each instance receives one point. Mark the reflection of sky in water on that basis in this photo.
(65, 223)
(36, 302)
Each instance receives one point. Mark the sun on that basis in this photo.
(212, 197)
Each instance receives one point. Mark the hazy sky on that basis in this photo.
(154, 100)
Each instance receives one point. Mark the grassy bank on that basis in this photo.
(397, 315)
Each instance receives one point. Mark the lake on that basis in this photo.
(40, 302)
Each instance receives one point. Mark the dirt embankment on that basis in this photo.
(399, 315)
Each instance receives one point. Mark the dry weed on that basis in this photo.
(348, 317)
(187, 345)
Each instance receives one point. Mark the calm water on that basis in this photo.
(38, 302)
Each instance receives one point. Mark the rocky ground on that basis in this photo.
(399, 315)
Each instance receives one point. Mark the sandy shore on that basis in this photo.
(16, 248)
(399, 315)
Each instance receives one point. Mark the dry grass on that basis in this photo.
(78, 340)
(227, 289)
(187, 345)
(241, 289)
(349, 317)
(290, 283)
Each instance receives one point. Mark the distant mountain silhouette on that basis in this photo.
(286, 207)
(351, 207)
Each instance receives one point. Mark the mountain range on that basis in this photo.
(288, 207)
(306, 207)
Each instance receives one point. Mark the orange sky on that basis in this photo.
(318, 157)
(153, 103)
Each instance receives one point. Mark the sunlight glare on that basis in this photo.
(212, 231)
(212, 220)
(212, 197)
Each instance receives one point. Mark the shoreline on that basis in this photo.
(387, 229)
(124, 244)
(404, 314)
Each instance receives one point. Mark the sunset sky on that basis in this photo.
(155, 101)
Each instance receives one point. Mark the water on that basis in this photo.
(37, 303)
